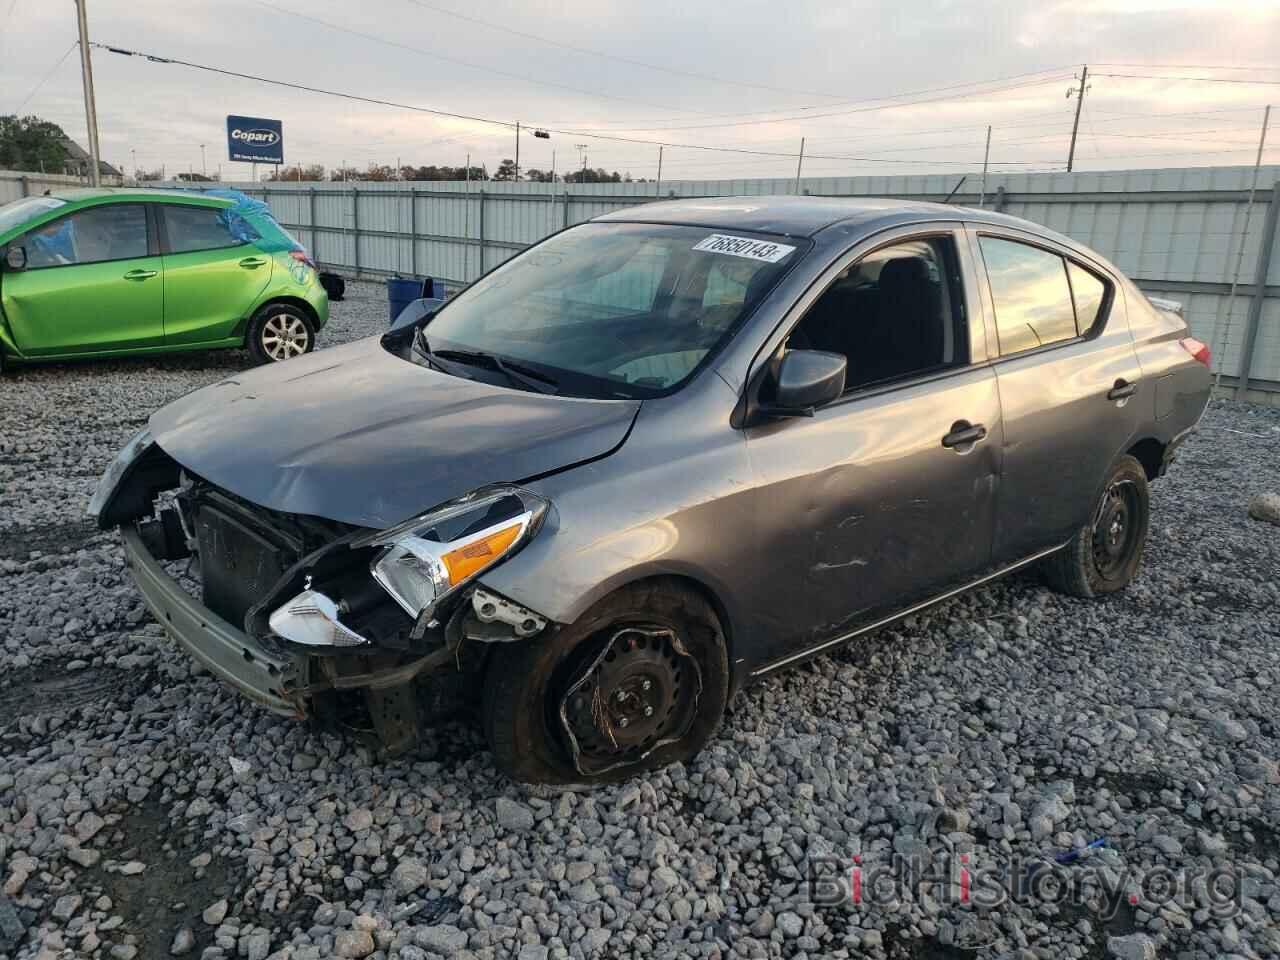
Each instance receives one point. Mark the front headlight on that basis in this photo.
(428, 557)
(131, 451)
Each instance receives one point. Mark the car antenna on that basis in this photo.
(955, 188)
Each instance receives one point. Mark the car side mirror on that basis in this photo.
(15, 258)
(806, 380)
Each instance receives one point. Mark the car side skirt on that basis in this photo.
(908, 611)
(223, 344)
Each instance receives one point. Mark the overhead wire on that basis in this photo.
(45, 79)
(155, 58)
(577, 89)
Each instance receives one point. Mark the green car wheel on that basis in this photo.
(280, 332)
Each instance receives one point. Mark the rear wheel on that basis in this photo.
(640, 681)
(1104, 555)
(280, 331)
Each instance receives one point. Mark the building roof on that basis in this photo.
(77, 154)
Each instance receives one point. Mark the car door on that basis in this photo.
(1068, 374)
(213, 273)
(92, 282)
(887, 495)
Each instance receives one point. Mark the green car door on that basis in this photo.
(213, 274)
(92, 284)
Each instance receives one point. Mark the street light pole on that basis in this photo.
(90, 109)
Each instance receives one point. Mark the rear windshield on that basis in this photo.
(20, 211)
(616, 309)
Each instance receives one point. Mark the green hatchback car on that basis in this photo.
(108, 272)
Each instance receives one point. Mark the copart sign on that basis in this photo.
(255, 140)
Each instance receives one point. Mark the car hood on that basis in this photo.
(358, 435)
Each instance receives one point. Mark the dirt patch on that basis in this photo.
(169, 894)
(48, 690)
(56, 538)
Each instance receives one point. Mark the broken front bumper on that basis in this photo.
(227, 651)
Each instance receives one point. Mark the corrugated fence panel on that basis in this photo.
(1176, 232)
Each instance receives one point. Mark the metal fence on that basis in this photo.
(1177, 233)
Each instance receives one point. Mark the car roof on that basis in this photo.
(804, 216)
(150, 194)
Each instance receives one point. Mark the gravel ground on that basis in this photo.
(145, 809)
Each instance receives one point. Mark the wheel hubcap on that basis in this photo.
(285, 336)
(1114, 530)
(639, 693)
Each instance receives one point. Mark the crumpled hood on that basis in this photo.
(357, 435)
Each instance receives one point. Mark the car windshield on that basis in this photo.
(20, 211)
(613, 309)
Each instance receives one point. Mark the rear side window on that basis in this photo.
(205, 228)
(116, 231)
(1088, 292)
(1031, 295)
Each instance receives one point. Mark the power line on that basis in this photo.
(1149, 76)
(867, 109)
(676, 71)
(154, 58)
(45, 78)
(1190, 66)
(464, 63)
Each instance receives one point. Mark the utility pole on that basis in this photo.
(1075, 126)
(1221, 349)
(582, 149)
(658, 190)
(986, 157)
(134, 154)
(799, 162)
(90, 107)
(204, 167)
(517, 150)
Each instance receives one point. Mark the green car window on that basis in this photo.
(115, 231)
(18, 212)
(205, 228)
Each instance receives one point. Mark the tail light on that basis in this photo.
(1199, 351)
(301, 257)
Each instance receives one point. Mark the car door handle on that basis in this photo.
(251, 263)
(1122, 390)
(964, 434)
(140, 274)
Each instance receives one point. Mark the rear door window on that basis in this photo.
(1088, 292)
(116, 231)
(204, 228)
(1030, 293)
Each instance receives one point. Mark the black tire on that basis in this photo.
(1104, 555)
(280, 331)
(526, 682)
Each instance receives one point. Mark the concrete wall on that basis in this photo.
(1176, 232)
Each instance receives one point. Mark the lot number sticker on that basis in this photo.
(762, 250)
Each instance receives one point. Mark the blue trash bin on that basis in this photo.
(402, 291)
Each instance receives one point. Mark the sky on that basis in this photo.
(873, 88)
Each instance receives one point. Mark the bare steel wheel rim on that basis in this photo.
(1116, 528)
(285, 335)
(639, 693)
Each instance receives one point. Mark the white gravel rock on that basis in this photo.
(1265, 506)
(1008, 723)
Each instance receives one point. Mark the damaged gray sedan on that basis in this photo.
(652, 458)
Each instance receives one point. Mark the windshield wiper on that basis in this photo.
(423, 349)
(516, 373)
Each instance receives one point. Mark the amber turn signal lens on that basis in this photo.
(474, 557)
